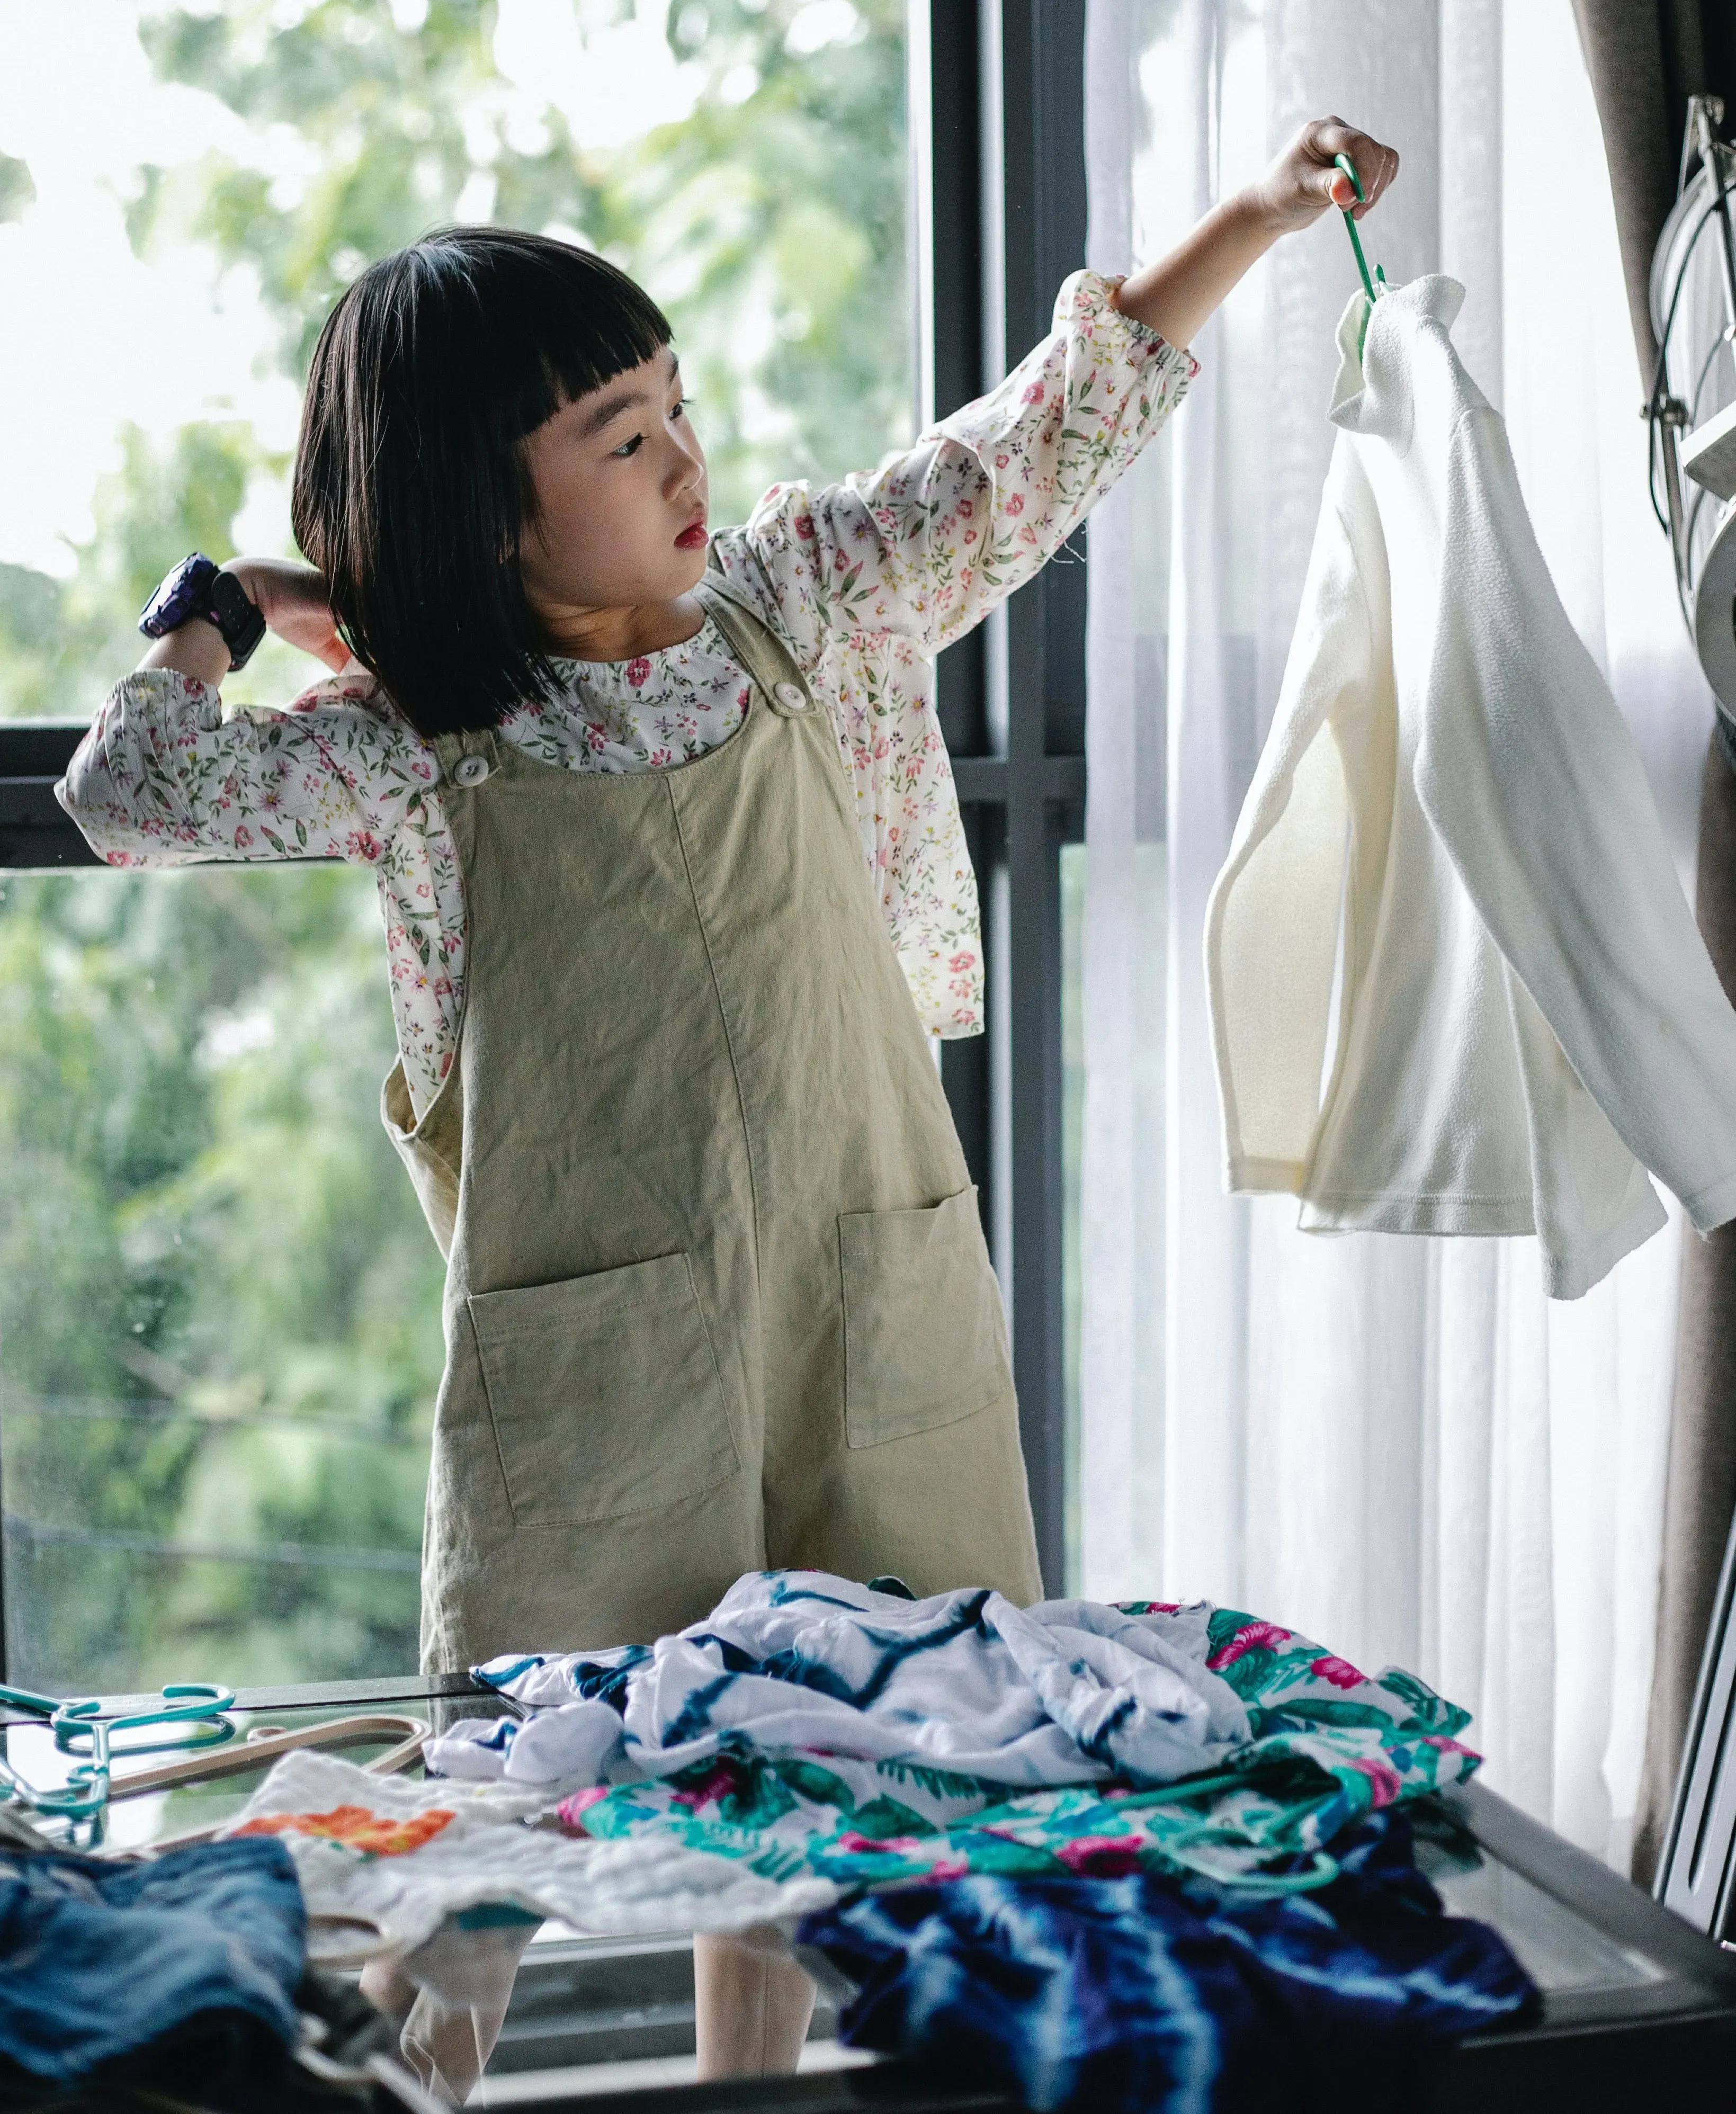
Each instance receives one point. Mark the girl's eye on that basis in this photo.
(628, 447)
(681, 409)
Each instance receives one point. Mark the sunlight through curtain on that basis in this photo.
(1396, 1444)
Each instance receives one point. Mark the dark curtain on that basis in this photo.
(1645, 58)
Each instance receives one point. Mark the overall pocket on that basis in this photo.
(604, 1392)
(924, 1336)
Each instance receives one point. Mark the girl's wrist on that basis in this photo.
(196, 649)
(1252, 211)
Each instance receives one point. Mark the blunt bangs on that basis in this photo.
(411, 493)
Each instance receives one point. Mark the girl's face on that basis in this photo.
(620, 481)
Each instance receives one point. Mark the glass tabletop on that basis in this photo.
(1559, 1949)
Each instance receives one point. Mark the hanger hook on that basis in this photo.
(1344, 162)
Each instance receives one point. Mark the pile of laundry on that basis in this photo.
(181, 1978)
(1151, 1855)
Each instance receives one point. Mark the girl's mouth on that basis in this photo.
(693, 538)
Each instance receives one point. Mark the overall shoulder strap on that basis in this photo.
(757, 646)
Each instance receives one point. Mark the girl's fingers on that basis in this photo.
(1376, 166)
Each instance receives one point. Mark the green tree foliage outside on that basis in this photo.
(220, 1330)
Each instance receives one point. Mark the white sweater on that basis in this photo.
(1450, 823)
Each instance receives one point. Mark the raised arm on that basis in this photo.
(1176, 295)
(292, 600)
(165, 778)
(926, 546)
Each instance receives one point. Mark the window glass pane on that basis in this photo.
(184, 192)
(219, 1308)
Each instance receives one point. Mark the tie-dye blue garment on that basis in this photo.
(1145, 1995)
(816, 1725)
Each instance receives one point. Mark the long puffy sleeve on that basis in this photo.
(164, 778)
(926, 546)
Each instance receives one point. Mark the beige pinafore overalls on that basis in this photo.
(718, 1297)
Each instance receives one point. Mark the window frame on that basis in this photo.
(1005, 202)
(998, 221)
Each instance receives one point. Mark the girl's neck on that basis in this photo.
(620, 634)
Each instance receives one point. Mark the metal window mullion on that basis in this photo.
(1032, 205)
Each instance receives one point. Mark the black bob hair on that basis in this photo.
(410, 492)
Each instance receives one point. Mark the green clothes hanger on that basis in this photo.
(194, 1709)
(1373, 287)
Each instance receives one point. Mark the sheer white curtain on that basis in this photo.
(1396, 1444)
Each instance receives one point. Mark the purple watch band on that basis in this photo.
(185, 594)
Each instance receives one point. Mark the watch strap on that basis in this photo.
(198, 587)
(236, 615)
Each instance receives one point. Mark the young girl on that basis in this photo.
(675, 893)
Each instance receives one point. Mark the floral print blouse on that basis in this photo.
(865, 581)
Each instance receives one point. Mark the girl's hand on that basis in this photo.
(292, 600)
(1303, 182)
(1175, 295)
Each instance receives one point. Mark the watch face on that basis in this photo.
(182, 595)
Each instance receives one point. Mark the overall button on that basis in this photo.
(470, 769)
(789, 696)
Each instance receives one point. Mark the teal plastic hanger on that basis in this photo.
(1374, 286)
(194, 1709)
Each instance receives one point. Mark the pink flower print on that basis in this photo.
(1439, 1741)
(1002, 461)
(362, 844)
(1384, 1781)
(243, 838)
(570, 1811)
(960, 963)
(1015, 502)
(1252, 1636)
(723, 1783)
(1339, 1672)
(595, 739)
(1034, 394)
(804, 526)
(638, 671)
(1100, 1856)
(888, 1845)
(953, 1866)
(967, 508)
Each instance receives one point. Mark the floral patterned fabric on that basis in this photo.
(866, 580)
(1328, 1746)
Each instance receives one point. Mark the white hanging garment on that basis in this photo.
(1450, 829)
